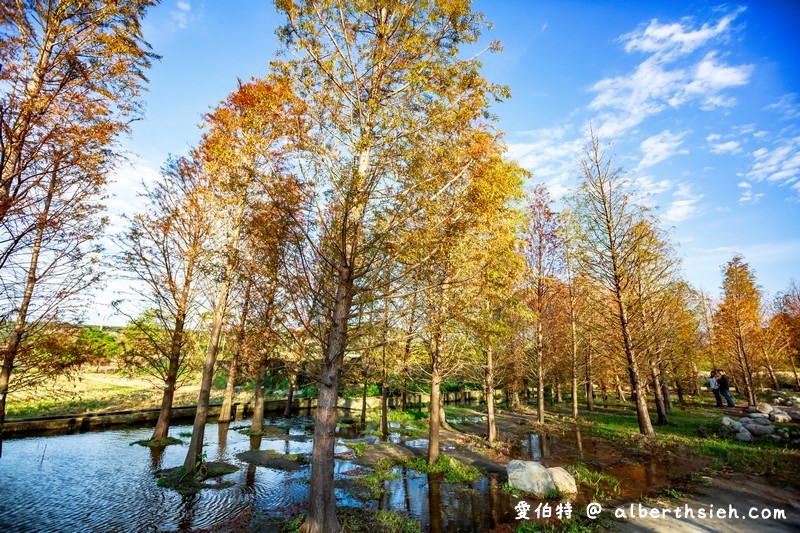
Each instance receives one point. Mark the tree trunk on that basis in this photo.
(194, 455)
(287, 411)
(227, 400)
(363, 418)
(195, 452)
(322, 500)
(657, 391)
(434, 416)
(257, 424)
(665, 386)
(775, 385)
(620, 391)
(11, 349)
(492, 428)
(695, 382)
(385, 407)
(589, 383)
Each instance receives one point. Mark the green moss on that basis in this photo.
(158, 443)
(454, 470)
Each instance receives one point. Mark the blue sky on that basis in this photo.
(701, 101)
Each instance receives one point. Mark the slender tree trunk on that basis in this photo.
(165, 414)
(434, 416)
(492, 428)
(257, 424)
(775, 385)
(194, 455)
(589, 383)
(322, 516)
(794, 371)
(227, 400)
(695, 382)
(620, 391)
(287, 411)
(364, 403)
(11, 349)
(665, 385)
(657, 392)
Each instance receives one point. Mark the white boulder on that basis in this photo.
(563, 480)
(531, 477)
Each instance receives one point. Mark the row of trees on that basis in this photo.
(350, 217)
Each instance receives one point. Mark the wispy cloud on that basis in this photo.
(729, 147)
(787, 107)
(182, 14)
(748, 196)
(779, 164)
(684, 204)
(551, 154)
(660, 147)
(668, 77)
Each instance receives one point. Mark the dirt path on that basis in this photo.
(741, 493)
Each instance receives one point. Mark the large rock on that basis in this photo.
(762, 422)
(764, 407)
(761, 430)
(726, 421)
(531, 477)
(795, 414)
(744, 436)
(564, 481)
(745, 420)
(756, 416)
(737, 426)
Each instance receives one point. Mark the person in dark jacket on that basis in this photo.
(725, 387)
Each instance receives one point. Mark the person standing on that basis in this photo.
(712, 382)
(723, 382)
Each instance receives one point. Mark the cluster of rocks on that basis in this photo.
(534, 478)
(760, 423)
(790, 403)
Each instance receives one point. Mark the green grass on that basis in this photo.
(374, 481)
(700, 431)
(599, 484)
(454, 470)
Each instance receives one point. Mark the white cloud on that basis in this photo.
(544, 27)
(668, 40)
(780, 164)
(551, 155)
(667, 78)
(787, 107)
(660, 147)
(182, 14)
(729, 147)
(748, 197)
(685, 204)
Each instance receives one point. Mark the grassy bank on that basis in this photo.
(99, 392)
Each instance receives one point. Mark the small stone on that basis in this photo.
(737, 426)
(795, 415)
(564, 481)
(745, 420)
(726, 421)
(762, 422)
(752, 409)
(744, 436)
(756, 416)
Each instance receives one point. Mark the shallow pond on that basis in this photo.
(97, 481)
